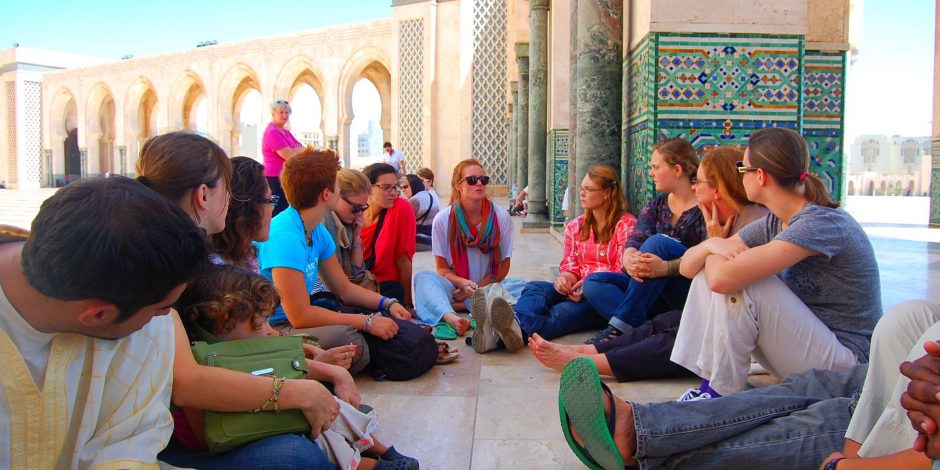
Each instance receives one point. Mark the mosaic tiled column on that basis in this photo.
(558, 144)
(537, 217)
(935, 184)
(522, 127)
(514, 136)
(599, 92)
(823, 91)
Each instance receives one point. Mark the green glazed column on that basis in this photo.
(522, 118)
(513, 134)
(574, 201)
(537, 217)
(599, 78)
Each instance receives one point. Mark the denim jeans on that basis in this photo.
(541, 309)
(633, 300)
(793, 425)
(287, 451)
(433, 295)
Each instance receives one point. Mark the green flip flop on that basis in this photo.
(581, 407)
(445, 332)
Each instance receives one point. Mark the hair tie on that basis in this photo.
(803, 175)
(143, 180)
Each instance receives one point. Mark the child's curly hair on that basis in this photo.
(223, 296)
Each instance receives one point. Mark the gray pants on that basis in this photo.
(333, 336)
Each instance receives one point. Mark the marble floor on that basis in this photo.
(499, 410)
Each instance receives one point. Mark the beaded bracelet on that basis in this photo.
(831, 465)
(275, 394)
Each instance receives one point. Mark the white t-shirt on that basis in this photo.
(395, 159)
(478, 262)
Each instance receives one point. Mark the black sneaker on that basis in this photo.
(606, 334)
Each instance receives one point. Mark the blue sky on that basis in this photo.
(889, 87)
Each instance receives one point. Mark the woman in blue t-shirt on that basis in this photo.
(797, 289)
(299, 249)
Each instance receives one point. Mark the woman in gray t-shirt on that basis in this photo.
(797, 289)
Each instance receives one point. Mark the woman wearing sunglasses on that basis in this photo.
(249, 215)
(345, 225)
(472, 246)
(277, 145)
(797, 289)
(388, 237)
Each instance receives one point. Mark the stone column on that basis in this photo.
(522, 118)
(537, 217)
(935, 147)
(574, 199)
(514, 135)
(598, 82)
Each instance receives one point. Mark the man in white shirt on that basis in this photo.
(395, 158)
(86, 342)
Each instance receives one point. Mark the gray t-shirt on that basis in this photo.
(842, 286)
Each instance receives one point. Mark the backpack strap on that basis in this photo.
(424, 217)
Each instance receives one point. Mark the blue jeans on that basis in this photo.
(633, 299)
(433, 295)
(793, 425)
(541, 309)
(284, 452)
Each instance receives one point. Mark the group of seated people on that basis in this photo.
(742, 255)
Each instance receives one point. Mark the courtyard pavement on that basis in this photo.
(500, 410)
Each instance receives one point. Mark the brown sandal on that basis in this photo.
(444, 354)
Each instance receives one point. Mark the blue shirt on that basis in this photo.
(287, 247)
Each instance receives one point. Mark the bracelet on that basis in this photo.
(388, 306)
(368, 325)
(831, 465)
(275, 395)
(381, 303)
(674, 267)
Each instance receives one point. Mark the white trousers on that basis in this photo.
(879, 422)
(719, 333)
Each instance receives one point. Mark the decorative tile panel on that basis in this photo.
(558, 140)
(12, 154)
(490, 135)
(411, 91)
(823, 110)
(32, 130)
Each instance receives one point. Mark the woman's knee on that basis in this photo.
(663, 246)
(908, 319)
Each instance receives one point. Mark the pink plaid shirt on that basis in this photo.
(585, 257)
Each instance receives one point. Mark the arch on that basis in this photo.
(186, 90)
(63, 132)
(235, 84)
(298, 71)
(100, 115)
(64, 112)
(373, 64)
(140, 104)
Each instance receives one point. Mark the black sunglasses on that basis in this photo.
(356, 208)
(273, 200)
(742, 168)
(473, 180)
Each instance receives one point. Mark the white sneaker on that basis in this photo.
(484, 337)
(694, 394)
(504, 319)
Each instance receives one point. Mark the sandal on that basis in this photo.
(444, 354)
(581, 407)
(444, 331)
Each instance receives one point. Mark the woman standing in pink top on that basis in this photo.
(277, 145)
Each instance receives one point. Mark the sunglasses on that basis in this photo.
(356, 208)
(273, 200)
(742, 168)
(473, 180)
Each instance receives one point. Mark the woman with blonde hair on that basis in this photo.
(345, 225)
(594, 242)
(472, 247)
(803, 275)
(667, 226)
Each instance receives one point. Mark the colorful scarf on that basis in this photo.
(463, 236)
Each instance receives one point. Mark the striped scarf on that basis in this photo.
(463, 236)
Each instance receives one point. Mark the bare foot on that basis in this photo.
(540, 342)
(624, 432)
(460, 324)
(551, 355)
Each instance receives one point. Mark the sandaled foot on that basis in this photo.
(444, 353)
(606, 334)
(597, 426)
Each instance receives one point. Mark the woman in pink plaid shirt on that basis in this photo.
(594, 242)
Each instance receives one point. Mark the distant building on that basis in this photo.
(889, 166)
(362, 146)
